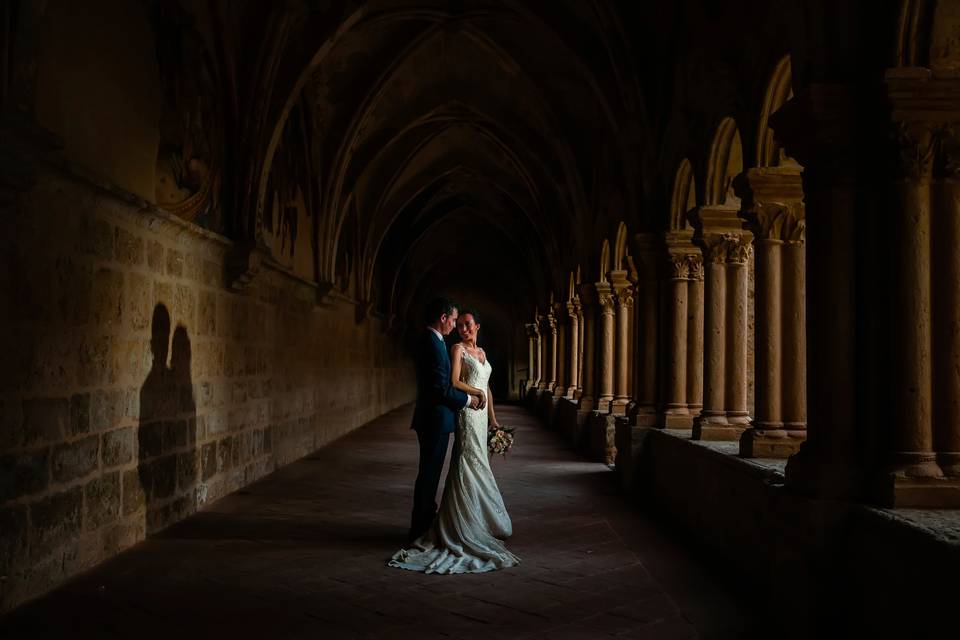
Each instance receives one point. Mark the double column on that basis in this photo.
(773, 209)
(559, 315)
(683, 318)
(727, 251)
(533, 355)
(605, 353)
(588, 332)
(925, 360)
(573, 346)
(622, 292)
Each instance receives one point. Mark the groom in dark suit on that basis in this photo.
(434, 417)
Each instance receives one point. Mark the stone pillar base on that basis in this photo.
(646, 417)
(717, 427)
(770, 443)
(618, 406)
(628, 439)
(559, 392)
(676, 419)
(603, 405)
(602, 429)
(896, 491)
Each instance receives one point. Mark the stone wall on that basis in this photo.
(136, 388)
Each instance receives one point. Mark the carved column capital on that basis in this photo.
(605, 298)
(916, 144)
(573, 308)
(772, 203)
(533, 331)
(695, 266)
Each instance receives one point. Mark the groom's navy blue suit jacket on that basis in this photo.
(438, 401)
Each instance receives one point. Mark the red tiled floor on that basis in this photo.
(302, 554)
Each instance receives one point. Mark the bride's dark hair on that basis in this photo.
(476, 316)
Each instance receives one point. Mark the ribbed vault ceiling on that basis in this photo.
(460, 147)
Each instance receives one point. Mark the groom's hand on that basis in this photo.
(483, 401)
(475, 402)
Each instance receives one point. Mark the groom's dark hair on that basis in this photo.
(438, 307)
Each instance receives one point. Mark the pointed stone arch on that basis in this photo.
(621, 248)
(725, 163)
(779, 90)
(604, 260)
(684, 196)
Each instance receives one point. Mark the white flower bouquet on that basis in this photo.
(499, 440)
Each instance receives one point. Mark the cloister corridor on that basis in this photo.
(302, 554)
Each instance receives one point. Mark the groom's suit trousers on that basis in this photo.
(433, 451)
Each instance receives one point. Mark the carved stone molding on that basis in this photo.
(573, 308)
(917, 144)
(678, 266)
(243, 263)
(772, 203)
(533, 331)
(605, 298)
(695, 266)
(624, 297)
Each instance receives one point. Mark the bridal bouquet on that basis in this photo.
(500, 440)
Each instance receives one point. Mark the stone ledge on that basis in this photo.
(814, 564)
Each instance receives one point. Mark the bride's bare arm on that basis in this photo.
(455, 356)
(491, 416)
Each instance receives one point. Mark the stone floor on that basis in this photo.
(302, 554)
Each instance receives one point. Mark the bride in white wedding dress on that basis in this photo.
(466, 535)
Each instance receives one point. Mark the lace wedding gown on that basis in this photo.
(466, 534)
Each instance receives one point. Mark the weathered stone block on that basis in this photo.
(139, 301)
(163, 294)
(207, 314)
(174, 263)
(212, 273)
(96, 238)
(13, 538)
(45, 420)
(186, 470)
(155, 256)
(208, 461)
(191, 267)
(95, 362)
(133, 494)
(23, 473)
(129, 248)
(108, 298)
(102, 500)
(118, 447)
(79, 414)
(150, 437)
(54, 521)
(75, 459)
(184, 306)
(107, 409)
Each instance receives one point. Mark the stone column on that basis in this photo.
(623, 300)
(531, 356)
(726, 247)
(648, 251)
(694, 334)
(573, 348)
(945, 281)
(588, 361)
(676, 413)
(560, 389)
(738, 332)
(552, 339)
(605, 355)
(544, 368)
(772, 200)
(818, 127)
(926, 395)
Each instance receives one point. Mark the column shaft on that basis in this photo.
(714, 342)
(676, 388)
(736, 354)
(695, 339)
(913, 426)
(573, 351)
(606, 350)
(794, 381)
(769, 414)
(946, 337)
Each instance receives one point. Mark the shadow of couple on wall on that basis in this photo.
(168, 464)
